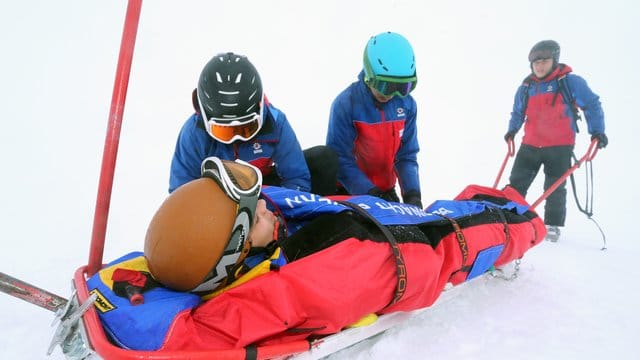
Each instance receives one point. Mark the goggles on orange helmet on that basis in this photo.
(241, 182)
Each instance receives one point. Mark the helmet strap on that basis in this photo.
(194, 101)
(232, 275)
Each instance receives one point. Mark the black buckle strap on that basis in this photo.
(462, 241)
(503, 220)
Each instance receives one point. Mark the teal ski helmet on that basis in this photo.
(390, 64)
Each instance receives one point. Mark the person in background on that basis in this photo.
(372, 124)
(234, 120)
(547, 104)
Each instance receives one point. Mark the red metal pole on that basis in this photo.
(30, 293)
(588, 156)
(113, 136)
(510, 152)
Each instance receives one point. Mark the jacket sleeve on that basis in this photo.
(588, 101)
(407, 156)
(191, 148)
(289, 160)
(341, 137)
(519, 110)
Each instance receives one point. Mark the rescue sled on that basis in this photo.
(80, 333)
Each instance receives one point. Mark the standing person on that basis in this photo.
(372, 124)
(547, 104)
(234, 120)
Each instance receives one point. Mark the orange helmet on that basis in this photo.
(198, 236)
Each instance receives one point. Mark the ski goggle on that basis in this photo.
(230, 129)
(388, 86)
(241, 182)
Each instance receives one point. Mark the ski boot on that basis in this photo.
(553, 233)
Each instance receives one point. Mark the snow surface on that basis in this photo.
(570, 301)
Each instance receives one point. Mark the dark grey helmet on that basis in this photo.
(229, 88)
(546, 49)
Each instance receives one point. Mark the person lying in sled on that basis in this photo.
(327, 261)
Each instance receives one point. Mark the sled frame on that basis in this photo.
(591, 152)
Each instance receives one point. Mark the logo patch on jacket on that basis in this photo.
(257, 148)
(400, 112)
(550, 88)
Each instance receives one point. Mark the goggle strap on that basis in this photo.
(227, 181)
(236, 268)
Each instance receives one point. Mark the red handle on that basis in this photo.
(588, 156)
(510, 152)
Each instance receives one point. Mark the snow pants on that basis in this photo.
(322, 162)
(556, 161)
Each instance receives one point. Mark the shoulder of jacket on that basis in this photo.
(573, 77)
(526, 81)
(194, 125)
(354, 89)
(273, 114)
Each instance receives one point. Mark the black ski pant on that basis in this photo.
(322, 162)
(556, 161)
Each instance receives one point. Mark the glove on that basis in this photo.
(509, 135)
(389, 195)
(413, 197)
(602, 140)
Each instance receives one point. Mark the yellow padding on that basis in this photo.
(364, 321)
(137, 263)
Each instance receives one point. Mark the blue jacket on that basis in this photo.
(548, 119)
(276, 147)
(376, 143)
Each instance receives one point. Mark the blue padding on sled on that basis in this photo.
(484, 260)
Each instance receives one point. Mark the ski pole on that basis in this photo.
(113, 136)
(510, 153)
(588, 156)
(30, 293)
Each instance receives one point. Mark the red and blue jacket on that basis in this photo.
(547, 117)
(275, 147)
(376, 143)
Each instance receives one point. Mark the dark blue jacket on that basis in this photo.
(275, 147)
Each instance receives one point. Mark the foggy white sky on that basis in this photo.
(58, 64)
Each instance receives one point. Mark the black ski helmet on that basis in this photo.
(546, 49)
(229, 89)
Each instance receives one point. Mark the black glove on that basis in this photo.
(602, 140)
(389, 195)
(509, 135)
(413, 197)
